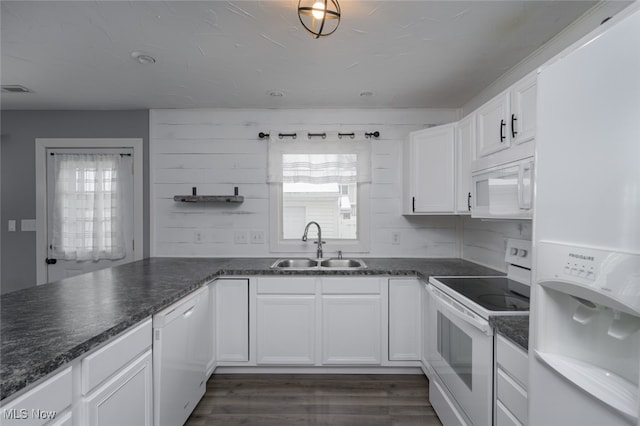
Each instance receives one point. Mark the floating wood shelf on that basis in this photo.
(209, 198)
(194, 198)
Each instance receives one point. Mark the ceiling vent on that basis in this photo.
(15, 89)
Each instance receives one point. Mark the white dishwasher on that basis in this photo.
(179, 358)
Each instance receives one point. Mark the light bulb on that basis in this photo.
(318, 10)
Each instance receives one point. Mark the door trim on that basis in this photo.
(41, 146)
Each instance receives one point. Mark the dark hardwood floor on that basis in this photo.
(336, 400)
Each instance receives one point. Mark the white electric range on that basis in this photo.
(460, 346)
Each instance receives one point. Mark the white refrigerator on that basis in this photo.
(584, 349)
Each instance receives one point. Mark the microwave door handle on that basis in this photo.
(447, 306)
(524, 195)
(520, 187)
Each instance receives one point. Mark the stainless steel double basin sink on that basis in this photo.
(303, 263)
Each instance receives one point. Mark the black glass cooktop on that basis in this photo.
(492, 293)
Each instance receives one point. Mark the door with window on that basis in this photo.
(90, 210)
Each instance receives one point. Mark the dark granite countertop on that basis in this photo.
(43, 328)
(514, 328)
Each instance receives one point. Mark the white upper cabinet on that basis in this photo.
(506, 126)
(492, 126)
(429, 171)
(465, 144)
(523, 110)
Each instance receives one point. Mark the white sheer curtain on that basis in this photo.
(87, 216)
(318, 162)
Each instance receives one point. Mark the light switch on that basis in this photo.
(12, 225)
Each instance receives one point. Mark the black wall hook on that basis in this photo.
(319, 135)
(289, 135)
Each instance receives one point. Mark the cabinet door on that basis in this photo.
(232, 320)
(432, 169)
(523, 110)
(465, 143)
(351, 329)
(492, 126)
(125, 399)
(286, 329)
(405, 332)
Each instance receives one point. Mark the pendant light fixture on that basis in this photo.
(320, 17)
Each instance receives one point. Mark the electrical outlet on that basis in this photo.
(257, 237)
(198, 237)
(395, 238)
(240, 237)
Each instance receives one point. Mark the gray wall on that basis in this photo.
(19, 131)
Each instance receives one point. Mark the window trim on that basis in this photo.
(300, 248)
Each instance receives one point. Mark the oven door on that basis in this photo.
(461, 356)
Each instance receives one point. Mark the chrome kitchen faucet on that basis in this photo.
(319, 242)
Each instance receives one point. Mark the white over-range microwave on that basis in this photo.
(504, 191)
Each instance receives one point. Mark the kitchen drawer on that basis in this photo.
(54, 395)
(512, 396)
(286, 285)
(107, 360)
(351, 285)
(504, 416)
(513, 359)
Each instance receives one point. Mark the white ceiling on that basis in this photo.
(231, 54)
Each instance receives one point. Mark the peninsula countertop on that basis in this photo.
(48, 326)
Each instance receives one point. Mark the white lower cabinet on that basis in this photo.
(286, 321)
(232, 320)
(116, 381)
(125, 399)
(50, 401)
(511, 381)
(405, 316)
(351, 321)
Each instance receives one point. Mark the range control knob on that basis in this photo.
(522, 253)
(514, 251)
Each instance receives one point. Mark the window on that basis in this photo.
(87, 214)
(304, 202)
(319, 181)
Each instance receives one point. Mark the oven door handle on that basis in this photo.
(456, 309)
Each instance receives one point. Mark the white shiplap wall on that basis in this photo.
(216, 150)
(484, 241)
